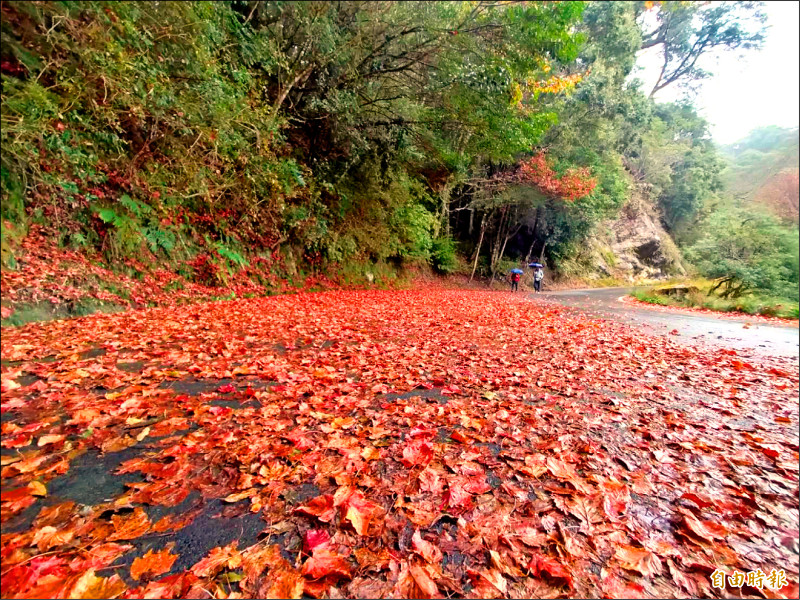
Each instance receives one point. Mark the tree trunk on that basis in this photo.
(500, 235)
(444, 195)
(535, 227)
(541, 254)
(507, 238)
(478, 249)
(530, 251)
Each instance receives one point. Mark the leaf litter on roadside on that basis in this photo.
(414, 444)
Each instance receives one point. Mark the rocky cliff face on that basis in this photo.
(633, 247)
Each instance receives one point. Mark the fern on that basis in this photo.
(157, 238)
(231, 255)
(78, 240)
(137, 208)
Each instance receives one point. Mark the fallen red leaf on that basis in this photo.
(417, 453)
(324, 563)
(707, 530)
(152, 564)
(425, 549)
(540, 565)
(638, 559)
(316, 538)
(130, 526)
(320, 507)
(227, 557)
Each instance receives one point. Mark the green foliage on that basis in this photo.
(443, 256)
(679, 163)
(259, 122)
(685, 31)
(413, 227)
(652, 298)
(748, 250)
(752, 303)
(349, 132)
(759, 160)
(12, 207)
(230, 255)
(133, 225)
(159, 240)
(47, 311)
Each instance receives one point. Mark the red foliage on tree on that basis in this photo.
(574, 184)
(781, 194)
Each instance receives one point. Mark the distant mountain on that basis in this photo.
(763, 170)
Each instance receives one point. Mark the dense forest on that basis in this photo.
(260, 141)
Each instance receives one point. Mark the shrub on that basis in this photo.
(443, 255)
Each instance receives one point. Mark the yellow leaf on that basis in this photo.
(37, 488)
(50, 439)
(240, 495)
(342, 422)
(370, 453)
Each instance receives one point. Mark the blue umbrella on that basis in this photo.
(517, 271)
(535, 265)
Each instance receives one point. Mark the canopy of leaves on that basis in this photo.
(324, 125)
(211, 136)
(684, 32)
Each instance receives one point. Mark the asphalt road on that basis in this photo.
(747, 337)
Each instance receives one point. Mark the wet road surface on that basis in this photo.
(758, 338)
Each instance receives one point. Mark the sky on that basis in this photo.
(762, 88)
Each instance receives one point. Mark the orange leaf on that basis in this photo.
(325, 562)
(638, 559)
(320, 507)
(227, 557)
(153, 563)
(50, 439)
(425, 549)
(240, 495)
(37, 488)
(129, 527)
(88, 585)
(424, 581)
(257, 558)
(543, 565)
(708, 530)
(584, 510)
(284, 582)
(362, 512)
(49, 537)
(418, 452)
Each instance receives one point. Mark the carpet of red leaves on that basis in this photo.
(49, 273)
(406, 444)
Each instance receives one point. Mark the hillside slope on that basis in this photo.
(762, 171)
(632, 247)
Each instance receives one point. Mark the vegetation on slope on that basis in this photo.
(747, 240)
(246, 141)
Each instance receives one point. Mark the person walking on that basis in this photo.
(515, 280)
(538, 275)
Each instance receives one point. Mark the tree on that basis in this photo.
(748, 250)
(686, 31)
